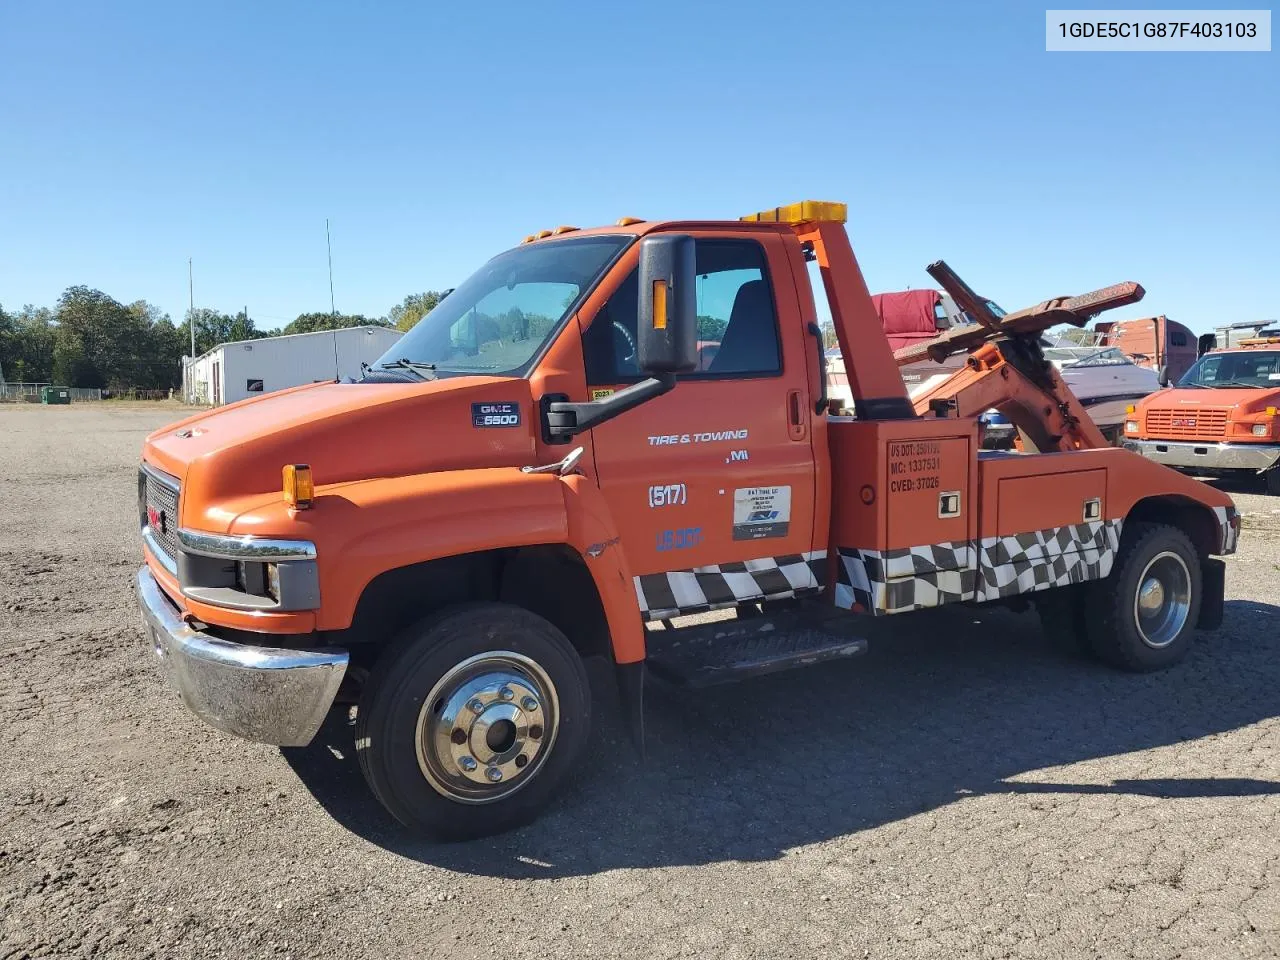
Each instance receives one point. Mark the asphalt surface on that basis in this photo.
(964, 790)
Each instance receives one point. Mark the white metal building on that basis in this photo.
(234, 371)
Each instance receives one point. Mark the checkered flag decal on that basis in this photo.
(913, 578)
(909, 578)
(1227, 529)
(722, 585)
(1040, 559)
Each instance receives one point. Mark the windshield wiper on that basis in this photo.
(427, 371)
(1230, 383)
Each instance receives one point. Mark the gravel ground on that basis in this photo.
(963, 790)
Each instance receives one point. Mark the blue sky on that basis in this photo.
(434, 135)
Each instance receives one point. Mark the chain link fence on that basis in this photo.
(30, 393)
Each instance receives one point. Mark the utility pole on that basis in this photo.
(328, 243)
(191, 313)
(191, 321)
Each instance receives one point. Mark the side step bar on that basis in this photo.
(729, 650)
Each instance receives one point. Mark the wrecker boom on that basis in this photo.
(1007, 369)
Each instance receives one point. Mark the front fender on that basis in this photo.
(593, 534)
(364, 529)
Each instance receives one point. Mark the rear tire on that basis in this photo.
(470, 724)
(1143, 615)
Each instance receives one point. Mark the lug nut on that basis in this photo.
(494, 774)
(459, 736)
(521, 761)
(467, 763)
(535, 732)
(529, 703)
(506, 693)
(476, 706)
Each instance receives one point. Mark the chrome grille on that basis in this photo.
(1189, 423)
(158, 500)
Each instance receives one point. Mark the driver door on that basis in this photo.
(712, 485)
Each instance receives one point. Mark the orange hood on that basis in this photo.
(346, 432)
(1240, 399)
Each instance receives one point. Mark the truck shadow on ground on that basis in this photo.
(947, 705)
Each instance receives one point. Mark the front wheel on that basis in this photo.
(1272, 479)
(1147, 608)
(469, 725)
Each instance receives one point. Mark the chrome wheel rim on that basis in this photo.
(487, 727)
(1162, 602)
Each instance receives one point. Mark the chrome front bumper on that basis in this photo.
(259, 693)
(1208, 456)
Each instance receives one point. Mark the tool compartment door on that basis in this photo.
(1049, 532)
(930, 558)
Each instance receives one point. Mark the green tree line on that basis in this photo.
(90, 339)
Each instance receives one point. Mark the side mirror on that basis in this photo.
(1163, 376)
(667, 327)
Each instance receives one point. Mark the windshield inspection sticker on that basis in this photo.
(760, 512)
(495, 414)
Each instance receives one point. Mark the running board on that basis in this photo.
(729, 650)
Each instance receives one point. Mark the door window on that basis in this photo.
(737, 321)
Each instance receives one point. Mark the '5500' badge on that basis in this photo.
(495, 414)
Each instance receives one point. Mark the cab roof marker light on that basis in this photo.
(542, 233)
(806, 211)
(627, 221)
(530, 238)
(564, 229)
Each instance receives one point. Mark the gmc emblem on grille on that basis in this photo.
(1187, 422)
(156, 520)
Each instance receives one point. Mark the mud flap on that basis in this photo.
(1213, 579)
(631, 693)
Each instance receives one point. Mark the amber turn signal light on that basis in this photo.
(659, 304)
(299, 489)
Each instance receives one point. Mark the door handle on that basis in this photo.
(795, 415)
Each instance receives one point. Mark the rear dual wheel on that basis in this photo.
(1143, 615)
(471, 722)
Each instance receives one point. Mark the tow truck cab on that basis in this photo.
(1223, 417)
(543, 471)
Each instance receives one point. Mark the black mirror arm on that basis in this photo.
(822, 403)
(565, 419)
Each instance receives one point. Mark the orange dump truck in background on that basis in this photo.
(543, 471)
(1223, 417)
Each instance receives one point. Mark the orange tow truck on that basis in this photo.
(1222, 418)
(539, 472)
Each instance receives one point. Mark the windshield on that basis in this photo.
(1249, 368)
(1086, 356)
(497, 320)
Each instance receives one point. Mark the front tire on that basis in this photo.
(1146, 610)
(1272, 479)
(470, 723)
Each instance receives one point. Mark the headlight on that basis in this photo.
(1261, 429)
(1131, 426)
